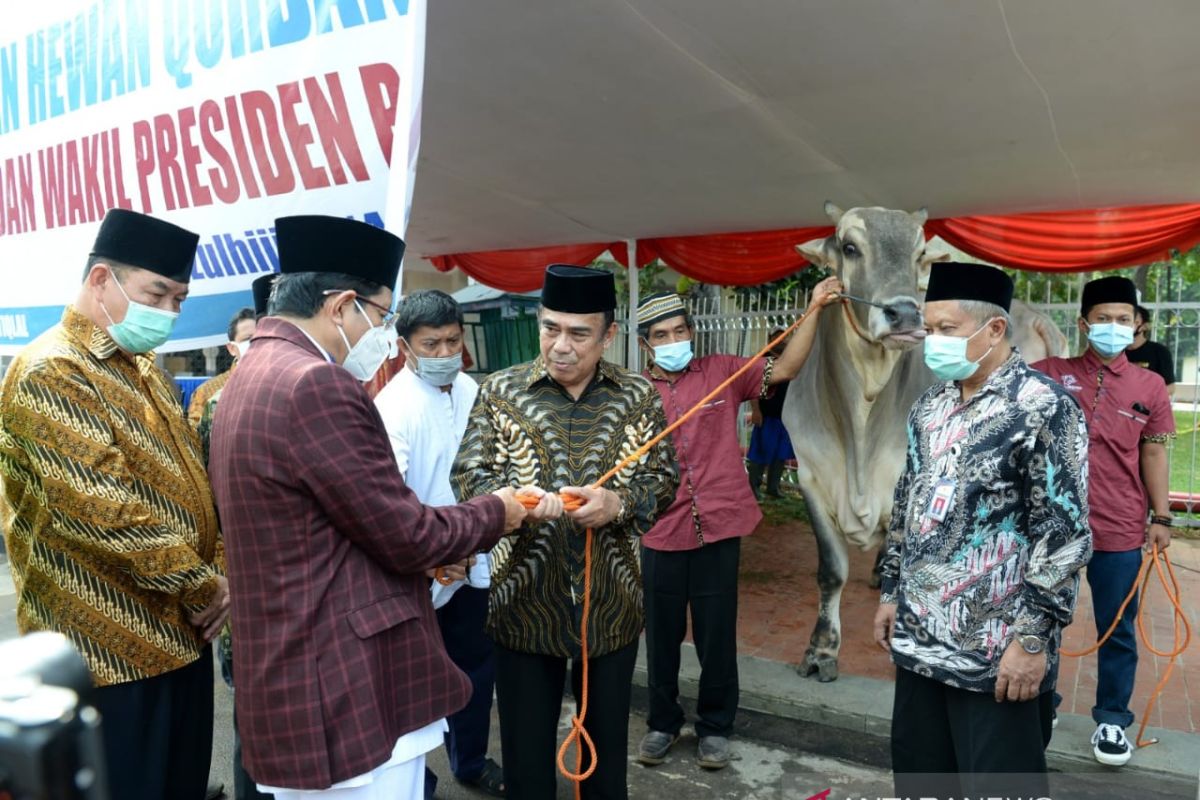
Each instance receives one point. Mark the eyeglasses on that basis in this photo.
(389, 316)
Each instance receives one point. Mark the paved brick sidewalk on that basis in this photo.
(778, 605)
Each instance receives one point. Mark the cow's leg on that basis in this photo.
(833, 566)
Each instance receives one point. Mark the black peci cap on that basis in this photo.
(952, 280)
(578, 290)
(1113, 289)
(262, 292)
(314, 243)
(142, 241)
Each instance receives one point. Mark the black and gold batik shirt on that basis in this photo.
(525, 429)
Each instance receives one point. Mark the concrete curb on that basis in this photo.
(851, 719)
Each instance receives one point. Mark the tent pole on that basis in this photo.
(631, 338)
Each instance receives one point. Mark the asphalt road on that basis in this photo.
(762, 772)
(759, 771)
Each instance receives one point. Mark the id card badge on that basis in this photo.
(943, 497)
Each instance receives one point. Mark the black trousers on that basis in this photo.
(953, 742)
(529, 693)
(706, 580)
(158, 733)
(461, 621)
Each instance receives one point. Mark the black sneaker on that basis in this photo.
(1110, 745)
(1054, 719)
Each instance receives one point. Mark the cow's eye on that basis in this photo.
(849, 250)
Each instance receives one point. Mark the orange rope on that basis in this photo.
(1156, 558)
(579, 735)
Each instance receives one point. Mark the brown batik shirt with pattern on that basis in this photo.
(525, 429)
(107, 509)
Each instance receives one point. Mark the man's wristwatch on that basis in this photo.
(1032, 644)
(620, 517)
(1158, 519)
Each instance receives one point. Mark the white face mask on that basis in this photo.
(368, 354)
(242, 347)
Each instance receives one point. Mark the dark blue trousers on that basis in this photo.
(461, 621)
(1110, 576)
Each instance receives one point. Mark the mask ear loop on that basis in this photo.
(120, 289)
(973, 335)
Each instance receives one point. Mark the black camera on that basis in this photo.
(50, 744)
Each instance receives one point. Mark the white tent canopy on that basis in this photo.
(566, 121)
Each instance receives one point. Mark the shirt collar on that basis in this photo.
(95, 339)
(324, 353)
(538, 373)
(655, 372)
(1093, 362)
(410, 377)
(1000, 381)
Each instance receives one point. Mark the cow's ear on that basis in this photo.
(833, 212)
(814, 252)
(932, 253)
(921, 215)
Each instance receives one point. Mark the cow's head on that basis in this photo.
(880, 255)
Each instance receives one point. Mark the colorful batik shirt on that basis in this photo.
(525, 429)
(107, 509)
(1004, 560)
(203, 395)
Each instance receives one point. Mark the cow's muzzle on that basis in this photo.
(904, 325)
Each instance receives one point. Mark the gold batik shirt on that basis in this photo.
(525, 429)
(107, 510)
(205, 392)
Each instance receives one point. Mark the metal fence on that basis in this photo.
(723, 326)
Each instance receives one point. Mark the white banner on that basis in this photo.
(217, 115)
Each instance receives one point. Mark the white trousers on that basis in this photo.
(405, 781)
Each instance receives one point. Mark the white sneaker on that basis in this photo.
(1110, 745)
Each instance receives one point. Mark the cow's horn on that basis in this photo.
(921, 215)
(833, 212)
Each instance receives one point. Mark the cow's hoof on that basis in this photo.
(825, 669)
(875, 581)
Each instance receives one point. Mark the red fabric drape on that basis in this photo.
(728, 259)
(1066, 241)
(517, 270)
(1074, 241)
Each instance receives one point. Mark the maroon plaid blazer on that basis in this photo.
(336, 648)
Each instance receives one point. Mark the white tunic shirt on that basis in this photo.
(421, 418)
(426, 426)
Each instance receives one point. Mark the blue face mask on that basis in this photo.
(673, 357)
(946, 356)
(144, 327)
(1109, 338)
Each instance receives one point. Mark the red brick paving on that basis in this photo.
(778, 604)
